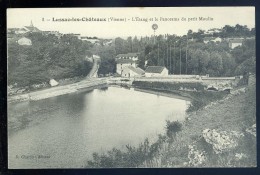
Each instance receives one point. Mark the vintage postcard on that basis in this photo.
(150, 87)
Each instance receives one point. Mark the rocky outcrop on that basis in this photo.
(221, 141)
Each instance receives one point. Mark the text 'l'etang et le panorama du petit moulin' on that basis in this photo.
(133, 19)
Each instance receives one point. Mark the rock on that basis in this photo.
(221, 141)
(252, 130)
(53, 82)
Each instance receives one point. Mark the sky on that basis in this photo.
(179, 20)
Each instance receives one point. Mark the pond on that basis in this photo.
(64, 131)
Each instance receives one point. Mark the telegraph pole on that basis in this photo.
(158, 55)
(180, 59)
(170, 59)
(187, 53)
(167, 55)
(174, 55)
(155, 27)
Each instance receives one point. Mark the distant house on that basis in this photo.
(130, 71)
(27, 29)
(108, 42)
(121, 63)
(235, 42)
(156, 71)
(209, 39)
(132, 56)
(24, 41)
(56, 33)
(212, 31)
(218, 39)
(92, 40)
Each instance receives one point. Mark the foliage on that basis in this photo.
(188, 54)
(132, 157)
(107, 58)
(48, 57)
(107, 66)
(172, 128)
(201, 99)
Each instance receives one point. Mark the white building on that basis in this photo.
(218, 39)
(132, 56)
(156, 71)
(130, 71)
(209, 39)
(235, 42)
(121, 63)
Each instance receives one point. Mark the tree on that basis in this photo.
(48, 57)
(136, 45)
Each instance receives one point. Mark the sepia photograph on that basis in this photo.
(131, 87)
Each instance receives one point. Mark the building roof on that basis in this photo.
(124, 61)
(154, 69)
(32, 28)
(236, 40)
(137, 70)
(127, 55)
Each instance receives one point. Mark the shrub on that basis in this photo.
(172, 128)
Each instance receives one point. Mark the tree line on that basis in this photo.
(48, 57)
(64, 57)
(187, 54)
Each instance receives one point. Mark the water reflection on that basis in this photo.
(70, 128)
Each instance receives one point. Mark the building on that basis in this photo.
(24, 41)
(56, 33)
(211, 39)
(124, 60)
(156, 71)
(132, 56)
(235, 42)
(27, 29)
(212, 31)
(130, 71)
(121, 63)
(218, 39)
(107, 42)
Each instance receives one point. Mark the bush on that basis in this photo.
(172, 128)
(201, 99)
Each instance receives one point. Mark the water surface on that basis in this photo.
(64, 131)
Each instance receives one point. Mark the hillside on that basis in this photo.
(47, 57)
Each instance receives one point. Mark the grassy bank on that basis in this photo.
(193, 143)
(194, 91)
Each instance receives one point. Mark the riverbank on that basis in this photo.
(193, 91)
(57, 91)
(221, 134)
